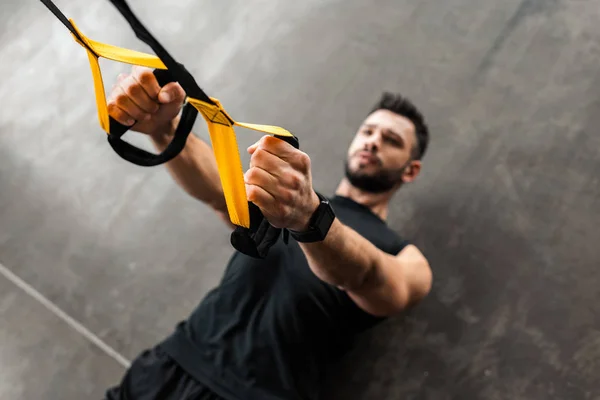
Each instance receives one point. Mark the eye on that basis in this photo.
(394, 141)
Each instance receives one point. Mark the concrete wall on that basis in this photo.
(506, 207)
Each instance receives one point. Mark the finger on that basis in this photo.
(119, 115)
(121, 76)
(114, 89)
(289, 174)
(263, 159)
(263, 179)
(124, 102)
(171, 93)
(138, 95)
(299, 160)
(252, 148)
(259, 196)
(276, 146)
(262, 141)
(146, 79)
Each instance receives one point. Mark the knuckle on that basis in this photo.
(146, 77)
(121, 100)
(113, 110)
(265, 140)
(282, 211)
(287, 196)
(251, 175)
(133, 90)
(304, 161)
(295, 181)
(117, 114)
(258, 155)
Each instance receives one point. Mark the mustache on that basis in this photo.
(371, 153)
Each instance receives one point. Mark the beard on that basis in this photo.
(380, 182)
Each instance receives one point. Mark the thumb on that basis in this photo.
(171, 93)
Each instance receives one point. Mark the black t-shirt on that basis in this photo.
(270, 326)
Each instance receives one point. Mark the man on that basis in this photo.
(271, 325)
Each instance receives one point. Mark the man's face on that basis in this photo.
(379, 157)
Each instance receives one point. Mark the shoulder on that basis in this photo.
(368, 225)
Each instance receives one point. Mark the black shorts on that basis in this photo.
(154, 375)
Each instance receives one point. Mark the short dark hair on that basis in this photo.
(401, 105)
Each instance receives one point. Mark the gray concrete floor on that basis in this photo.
(506, 207)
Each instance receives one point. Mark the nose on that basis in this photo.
(373, 141)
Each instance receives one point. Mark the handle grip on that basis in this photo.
(293, 140)
(142, 157)
(116, 128)
(261, 236)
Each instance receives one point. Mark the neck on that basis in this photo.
(376, 202)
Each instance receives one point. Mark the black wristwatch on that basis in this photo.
(319, 223)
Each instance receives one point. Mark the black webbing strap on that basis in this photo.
(62, 18)
(256, 240)
(116, 130)
(256, 236)
(177, 70)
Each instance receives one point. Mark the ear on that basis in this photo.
(411, 171)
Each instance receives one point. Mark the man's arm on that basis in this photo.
(279, 182)
(380, 283)
(195, 171)
(138, 97)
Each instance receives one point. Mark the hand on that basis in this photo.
(279, 182)
(139, 97)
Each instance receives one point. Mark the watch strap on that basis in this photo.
(319, 223)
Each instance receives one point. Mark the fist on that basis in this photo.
(138, 99)
(279, 182)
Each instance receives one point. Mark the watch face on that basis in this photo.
(325, 214)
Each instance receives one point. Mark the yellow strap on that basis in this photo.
(273, 130)
(116, 54)
(225, 148)
(220, 128)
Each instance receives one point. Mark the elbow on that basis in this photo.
(421, 284)
(394, 286)
(407, 289)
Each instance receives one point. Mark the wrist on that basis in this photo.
(318, 222)
(163, 135)
(308, 214)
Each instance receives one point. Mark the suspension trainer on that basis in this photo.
(253, 234)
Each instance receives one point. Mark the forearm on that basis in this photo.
(194, 169)
(279, 182)
(344, 259)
